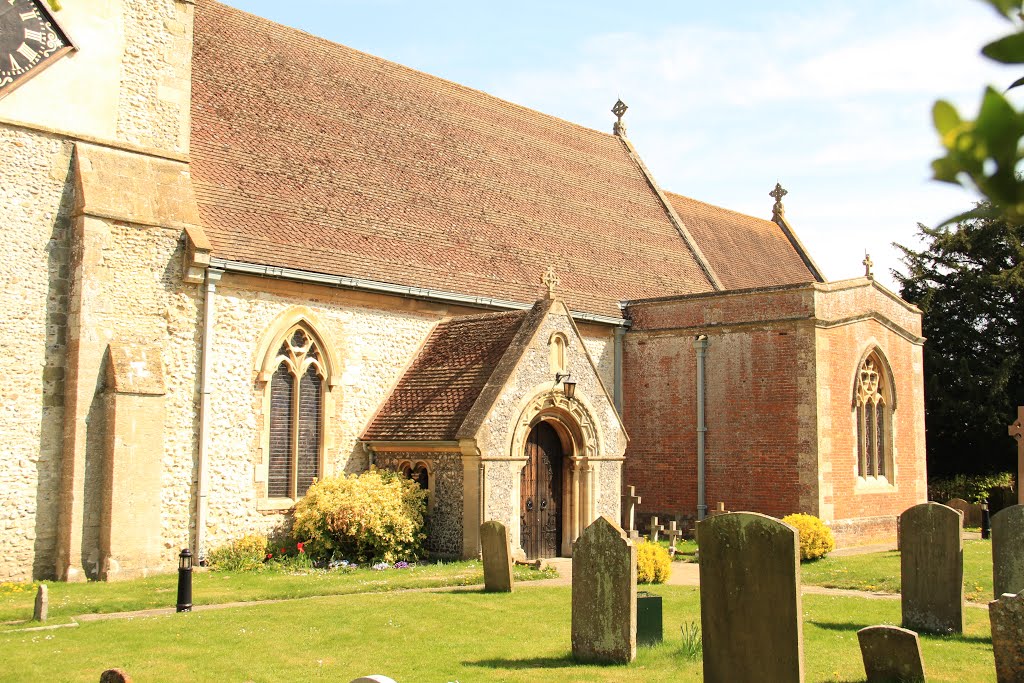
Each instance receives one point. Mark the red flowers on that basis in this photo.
(301, 548)
(270, 556)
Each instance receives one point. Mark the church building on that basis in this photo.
(242, 258)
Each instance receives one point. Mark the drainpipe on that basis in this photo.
(617, 389)
(213, 276)
(700, 345)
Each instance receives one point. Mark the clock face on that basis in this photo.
(29, 39)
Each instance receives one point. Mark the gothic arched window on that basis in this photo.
(296, 415)
(873, 403)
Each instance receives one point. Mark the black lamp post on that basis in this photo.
(986, 520)
(185, 581)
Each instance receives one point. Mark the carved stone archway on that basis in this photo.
(573, 420)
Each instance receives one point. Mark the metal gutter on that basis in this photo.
(213, 276)
(421, 293)
(700, 345)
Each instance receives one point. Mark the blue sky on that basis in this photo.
(832, 99)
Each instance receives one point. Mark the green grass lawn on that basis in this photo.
(208, 588)
(426, 637)
(881, 571)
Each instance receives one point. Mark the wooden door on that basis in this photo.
(541, 494)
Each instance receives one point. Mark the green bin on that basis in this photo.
(648, 619)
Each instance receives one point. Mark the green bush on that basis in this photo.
(816, 539)
(373, 517)
(971, 487)
(241, 555)
(653, 564)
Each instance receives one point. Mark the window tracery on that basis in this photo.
(874, 418)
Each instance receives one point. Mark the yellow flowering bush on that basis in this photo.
(816, 539)
(375, 516)
(653, 564)
(240, 555)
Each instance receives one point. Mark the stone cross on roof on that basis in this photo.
(867, 266)
(1016, 430)
(778, 211)
(551, 281)
(619, 110)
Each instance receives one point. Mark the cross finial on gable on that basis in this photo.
(619, 110)
(778, 211)
(868, 263)
(551, 281)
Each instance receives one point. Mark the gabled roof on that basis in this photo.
(744, 251)
(437, 392)
(309, 155)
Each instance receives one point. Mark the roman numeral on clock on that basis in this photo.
(34, 35)
(28, 53)
(27, 16)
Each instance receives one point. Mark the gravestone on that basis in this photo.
(1016, 430)
(497, 553)
(630, 501)
(970, 511)
(604, 594)
(719, 510)
(932, 569)
(891, 653)
(1007, 618)
(673, 533)
(655, 529)
(115, 676)
(1008, 550)
(750, 614)
(42, 607)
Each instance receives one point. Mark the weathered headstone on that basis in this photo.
(115, 676)
(719, 510)
(497, 553)
(1008, 550)
(604, 594)
(673, 533)
(1007, 618)
(750, 614)
(890, 654)
(630, 501)
(932, 569)
(655, 529)
(970, 511)
(42, 607)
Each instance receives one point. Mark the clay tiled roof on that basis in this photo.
(436, 393)
(310, 155)
(743, 251)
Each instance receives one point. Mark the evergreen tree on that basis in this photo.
(969, 282)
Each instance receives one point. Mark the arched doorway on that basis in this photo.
(541, 493)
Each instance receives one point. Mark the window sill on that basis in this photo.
(275, 504)
(874, 485)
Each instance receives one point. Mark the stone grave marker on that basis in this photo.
(970, 511)
(115, 676)
(42, 606)
(750, 614)
(497, 554)
(932, 569)
(655, 529)
(1008, 550)
(1016, 430)
(604, 594)
(673, 533)
(891, 653)
(719, 510)
(630, 501)
(1007, 618)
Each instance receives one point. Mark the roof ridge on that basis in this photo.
(403, 67)
(720, 208)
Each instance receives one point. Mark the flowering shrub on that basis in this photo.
(377, 515)
(816, 539)
(652, 563)
(243, 554)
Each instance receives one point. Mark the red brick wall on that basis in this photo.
(844, 495)
(760, 442)
(779, 388)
